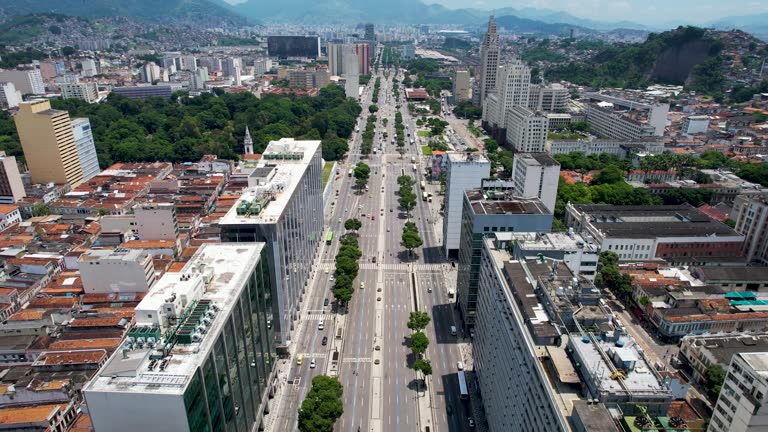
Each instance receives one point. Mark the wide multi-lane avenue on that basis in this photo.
(380, 390)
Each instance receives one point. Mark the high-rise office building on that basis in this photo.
(150, 73)
(526, 130)
(550, 98)
(48, 141)
(489, 211)
(26, 81)
(351, 72)
(335, 53)
(750, 212)
(230, 65)
(11, 185)
(363, 51)
(461, 85)
(89, 68)
(200, 356)
(536, 175)
(742, 405)
(512, 89)
(86, 148)
(370, 33)
(502, 338)
(283, 207)
(189, 62)
(489, 60)
(262, 66)
(87, 91)
(198, 78)
(463, 171)
(9, 96)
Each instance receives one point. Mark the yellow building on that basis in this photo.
(49, 143)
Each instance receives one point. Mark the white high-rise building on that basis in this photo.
(513, 83)
(461, 85)
(463, 171)
(283, 207)
(352, 86)
(489, 60)
(86, 148)
(150, 72)
(742, 405)
(335, 58)
(230, 65)
(200, 355)
(11, 185)
(9, 96)
(199, 77)
(189, 62)
(536, 175)
(526, 130)
(262, 66)
(89, 68)
(87, 91)
(28, 81)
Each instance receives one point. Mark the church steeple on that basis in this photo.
(248, 142)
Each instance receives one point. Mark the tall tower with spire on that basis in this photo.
(248, 142)
(489, 60)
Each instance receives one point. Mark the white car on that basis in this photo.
(312, 364)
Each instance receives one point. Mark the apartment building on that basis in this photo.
(526, 131)
(536, 175)
(463, 171)
(741, 406)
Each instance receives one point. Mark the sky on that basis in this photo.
(642, 11)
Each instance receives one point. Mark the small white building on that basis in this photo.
(9, 215)
(696, 124)
(463, 171)
(156, 221)
(119, 270)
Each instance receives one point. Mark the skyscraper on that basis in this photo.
(526, 130)
(48, 142)
(150, 72)
(11, 186)
(201, 354)
(489, 60)
(363, 51)
(86, 148)
(463, 171)
(370, 33)
(351, 71)
(335, 53)
(536, 175)
(460, 85)
(283, 207)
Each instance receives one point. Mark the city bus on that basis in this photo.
(463, 393)
(329, 238)
(423, 185)
(351, 172)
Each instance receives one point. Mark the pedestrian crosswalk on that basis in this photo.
(331, 267)
(357, 360)
(318, 316)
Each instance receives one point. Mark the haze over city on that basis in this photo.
(364, 216)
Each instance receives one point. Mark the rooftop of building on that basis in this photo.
(724, 346)
(228, 266)
(641, 221)
(731, 273)
(543, 159)
(117, 254)
(277, 174)
(524, 291)
(758, 361)
(25, 415)
(462, 157)
(556, 241)
(595, 352)
(594, 417)
(486, 202)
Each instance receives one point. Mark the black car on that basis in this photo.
(325, 302)
(325, 340)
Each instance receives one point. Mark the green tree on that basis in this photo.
(608, 259)
(322, 406)
(418, 320)
(609, 175)
(373, 109)
(405, 181)
(419, 343)
(40, 209)
(362, 172)
(407, 200)
(424, 366)
(491, 145)
(411, 239)
(353, 224)
(714, 377)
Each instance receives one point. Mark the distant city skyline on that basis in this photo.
(651, 12)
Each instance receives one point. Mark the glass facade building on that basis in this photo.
(220, 379)
(290, 225)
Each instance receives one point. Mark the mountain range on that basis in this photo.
(348, 11)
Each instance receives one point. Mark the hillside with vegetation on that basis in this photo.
(689, 56)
